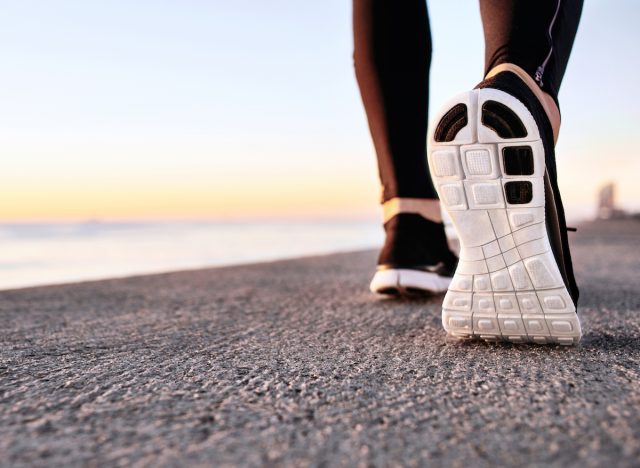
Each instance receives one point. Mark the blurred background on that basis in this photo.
(156, 135)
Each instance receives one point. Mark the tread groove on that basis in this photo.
(502, 120)
(452, 122)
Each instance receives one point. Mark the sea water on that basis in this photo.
(39, 254)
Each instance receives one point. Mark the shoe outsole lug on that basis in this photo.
(507, 286)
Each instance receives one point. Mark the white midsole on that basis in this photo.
(403, 279)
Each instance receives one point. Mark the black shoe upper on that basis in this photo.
(416, 243)
(554, 210)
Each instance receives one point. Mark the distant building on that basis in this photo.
(607, 201)
(607, 204)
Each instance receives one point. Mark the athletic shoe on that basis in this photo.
(415, 259)
(491, 157)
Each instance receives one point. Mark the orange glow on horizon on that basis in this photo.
(201, 199)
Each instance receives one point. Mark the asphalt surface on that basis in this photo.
(296, 363)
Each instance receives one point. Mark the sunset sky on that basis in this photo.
(232, 109)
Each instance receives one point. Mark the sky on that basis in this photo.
(215, 109)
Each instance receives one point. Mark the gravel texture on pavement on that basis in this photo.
(296, 362)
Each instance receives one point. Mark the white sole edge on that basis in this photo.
(408, 282)
(507, 286)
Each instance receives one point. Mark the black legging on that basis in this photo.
(392, 57)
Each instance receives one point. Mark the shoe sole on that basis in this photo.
(407, 282)
(487, 162)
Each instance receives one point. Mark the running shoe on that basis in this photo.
(491, 157)
(415, 258)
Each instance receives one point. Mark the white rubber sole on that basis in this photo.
(408, 282)
(507, 285)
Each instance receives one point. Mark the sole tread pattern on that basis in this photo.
(507, 285)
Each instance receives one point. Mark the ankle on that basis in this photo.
(548, 103)
(427, 208)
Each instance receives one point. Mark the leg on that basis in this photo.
(392, 58)
(492, 156)
(533, 40)
(392, 55)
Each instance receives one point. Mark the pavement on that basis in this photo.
(296, 363)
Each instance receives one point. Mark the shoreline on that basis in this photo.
(187, 270)
(583, 226)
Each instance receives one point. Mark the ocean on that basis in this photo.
(40, 254)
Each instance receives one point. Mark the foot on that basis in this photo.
(415, 259)
(492, 160)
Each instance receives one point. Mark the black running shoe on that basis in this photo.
(491, 156)
(415, 258)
